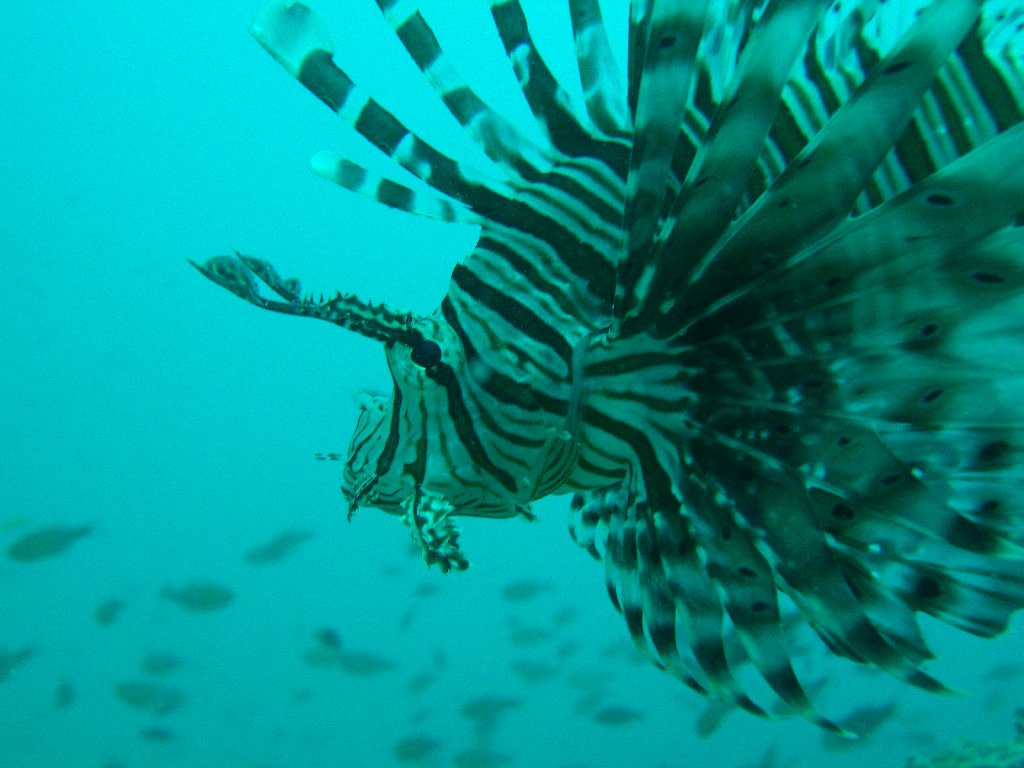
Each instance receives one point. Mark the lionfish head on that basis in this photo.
(400, 459)
(387, 464)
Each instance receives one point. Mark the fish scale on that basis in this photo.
(756, 305)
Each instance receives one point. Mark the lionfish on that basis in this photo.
(757, 302)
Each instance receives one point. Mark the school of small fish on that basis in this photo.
(540, 661)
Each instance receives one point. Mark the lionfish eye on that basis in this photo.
(426, 353)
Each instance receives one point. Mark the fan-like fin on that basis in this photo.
(639, 33)
(659, 605)
(376, 186)
(728, 28)
(720, 172)
(976, 94)
(820, 188)
(548, 101)
(746, 580)
(499, 138)
(624, 580)
(923, 555)
(978, 601)
(869, 390)
(698, 606)
(655, 572)
(651, 559)
(588, 519)
(927, 225)
(887, 609)
(776, 506)
(674, 32)
(298, 38)
(599, 74)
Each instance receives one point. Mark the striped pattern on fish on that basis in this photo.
(757, 302)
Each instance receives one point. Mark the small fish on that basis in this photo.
(587, 679)
(330, 653)
(533, 671)
(156, 734)
(427, 589)
(64, 696)
(918, 738)
(480, 757)
(45, 542)
(419, 683)
(322, 456)
(526, 636)
(586, 704)
(392, 570)
(564, 616)
(327, 650)
(616, 715)
(407, 618)
(566, 650)
(415, 749)
(278, 548)
(107, 611)
(487, 708)
(302, 696)
(524, 590)
(151, 697)
(161, 663)
(329, 638)
(486, 712)
(11, 661)
(322, 657)
(365, 664)
(200, 597)
(998, 698)
(1003, 673)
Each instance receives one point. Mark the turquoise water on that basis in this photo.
(180, 427)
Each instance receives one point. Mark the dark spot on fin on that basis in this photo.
(927, 588)
(969, 535)
(842, 511)
(988, 278)
(993, 452)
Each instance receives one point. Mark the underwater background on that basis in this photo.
(178, 585)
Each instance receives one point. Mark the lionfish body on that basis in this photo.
(761, 308)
